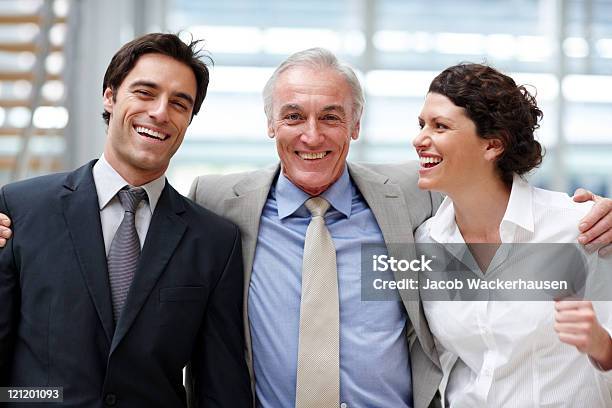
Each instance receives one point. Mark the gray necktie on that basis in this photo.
(318, 368)
(125, 249)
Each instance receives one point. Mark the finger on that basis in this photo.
(582, 315)
(605, 238)
(581, 195)
(577, 340)
(572, 305)
(2, 242)
(593, 247)
(5, 220)
(597, 221)
(5, 232)
(606, 251)
(572, 328)
(573, 316)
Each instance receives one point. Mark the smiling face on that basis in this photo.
(149, 114)
(313, 123)
(452, 154)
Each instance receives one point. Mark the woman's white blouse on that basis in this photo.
(507, 353)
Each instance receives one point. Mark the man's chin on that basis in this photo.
(312, 182)
(149, 164)
(313, 189)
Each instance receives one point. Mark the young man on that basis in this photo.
(80, 306)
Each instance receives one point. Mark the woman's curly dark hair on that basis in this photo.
(500, 109)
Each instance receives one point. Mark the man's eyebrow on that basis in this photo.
(148, 84)
(153, 85)
(331, 108)
(290, 106)
(185, 96)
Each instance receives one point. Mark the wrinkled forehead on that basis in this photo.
(299, 84)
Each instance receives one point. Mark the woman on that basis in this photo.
(476, 141)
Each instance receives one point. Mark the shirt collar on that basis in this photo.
(519, 212)
(109, 182)
(290, 197)
(443, 226)
(520, 205)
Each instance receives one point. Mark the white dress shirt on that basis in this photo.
(507, 353)
(108, 183)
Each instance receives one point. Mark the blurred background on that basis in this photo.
(53, 54)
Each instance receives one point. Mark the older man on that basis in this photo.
(80, 307)
(364, 353)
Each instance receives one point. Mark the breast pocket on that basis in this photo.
(179, 306)
(182, 294)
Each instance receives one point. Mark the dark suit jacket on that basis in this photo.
(184, 305)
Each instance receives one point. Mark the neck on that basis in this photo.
(480, 208)
(134, 176)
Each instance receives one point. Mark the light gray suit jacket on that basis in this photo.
(399, 208)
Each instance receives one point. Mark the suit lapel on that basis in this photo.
(386, 201)
(82, 215)
(245, 209)
(164, 234)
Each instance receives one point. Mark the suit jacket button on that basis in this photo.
(110, 399)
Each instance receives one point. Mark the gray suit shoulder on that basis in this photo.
(198, 214)
(406, 176)
(406, 172)
(211, 190)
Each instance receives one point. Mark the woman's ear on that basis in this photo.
(493, 149)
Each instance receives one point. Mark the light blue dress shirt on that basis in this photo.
(374, 357)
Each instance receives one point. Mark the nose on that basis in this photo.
(311, 134)
(159, 110)
(421, 140)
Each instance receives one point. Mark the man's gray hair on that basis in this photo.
(317, 58)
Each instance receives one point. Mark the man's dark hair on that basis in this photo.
(157, 43)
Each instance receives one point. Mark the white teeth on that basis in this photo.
(430, 160)
(312, 156)
(152, 133)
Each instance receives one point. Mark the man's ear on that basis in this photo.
(493, 149)
(356, 129)
(108, 100)
(270, 130)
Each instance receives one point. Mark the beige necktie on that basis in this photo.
(318, 368)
